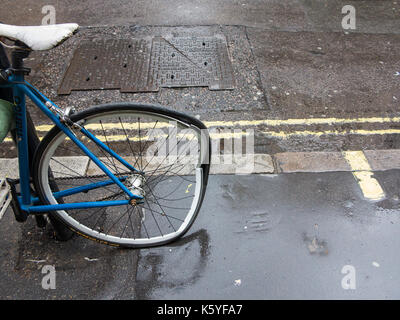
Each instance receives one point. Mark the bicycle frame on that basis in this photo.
(28, 203)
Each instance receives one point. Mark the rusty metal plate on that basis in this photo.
(108, 64)
(146, 64)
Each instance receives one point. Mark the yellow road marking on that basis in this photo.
(309, 121)
(363, 132)
(112, 138)
(116, 125)
(275, 134)
(242, 123)
(252, 123)
(361, 170)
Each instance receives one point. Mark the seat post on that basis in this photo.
(18, 56)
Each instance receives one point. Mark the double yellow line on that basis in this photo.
(243, 124)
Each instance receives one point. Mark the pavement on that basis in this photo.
(323, 103)
(284, 236)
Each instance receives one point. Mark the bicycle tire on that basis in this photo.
(45, 158)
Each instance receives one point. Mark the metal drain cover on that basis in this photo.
(191, 61)
(108, 64)
(146, 64)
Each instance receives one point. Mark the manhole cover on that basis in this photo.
(185, 62)
(108, 64)
(142, 65)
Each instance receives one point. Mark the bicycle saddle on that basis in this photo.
(39, 37)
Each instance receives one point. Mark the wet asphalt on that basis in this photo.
(285, 236)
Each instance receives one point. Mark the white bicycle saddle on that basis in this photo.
(39, 37)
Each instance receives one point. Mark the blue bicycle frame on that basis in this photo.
(28, 203)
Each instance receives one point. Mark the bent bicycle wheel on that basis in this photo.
(171, 151)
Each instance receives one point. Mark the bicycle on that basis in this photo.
(121, 174)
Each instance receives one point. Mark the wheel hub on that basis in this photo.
(135, 185)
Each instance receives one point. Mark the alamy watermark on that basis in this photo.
(349, 18)
(49, 278)
(231, 149)
(49, 12)
(349, 280)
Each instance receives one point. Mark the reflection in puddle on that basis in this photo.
(172, 267)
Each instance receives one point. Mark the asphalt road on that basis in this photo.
(291, 60)
(375, 16)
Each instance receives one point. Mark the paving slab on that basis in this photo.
(383, 159)
(242, 165)
(310, 162)
(62, 167)
(69, 166)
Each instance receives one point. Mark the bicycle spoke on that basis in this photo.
(167, 183)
